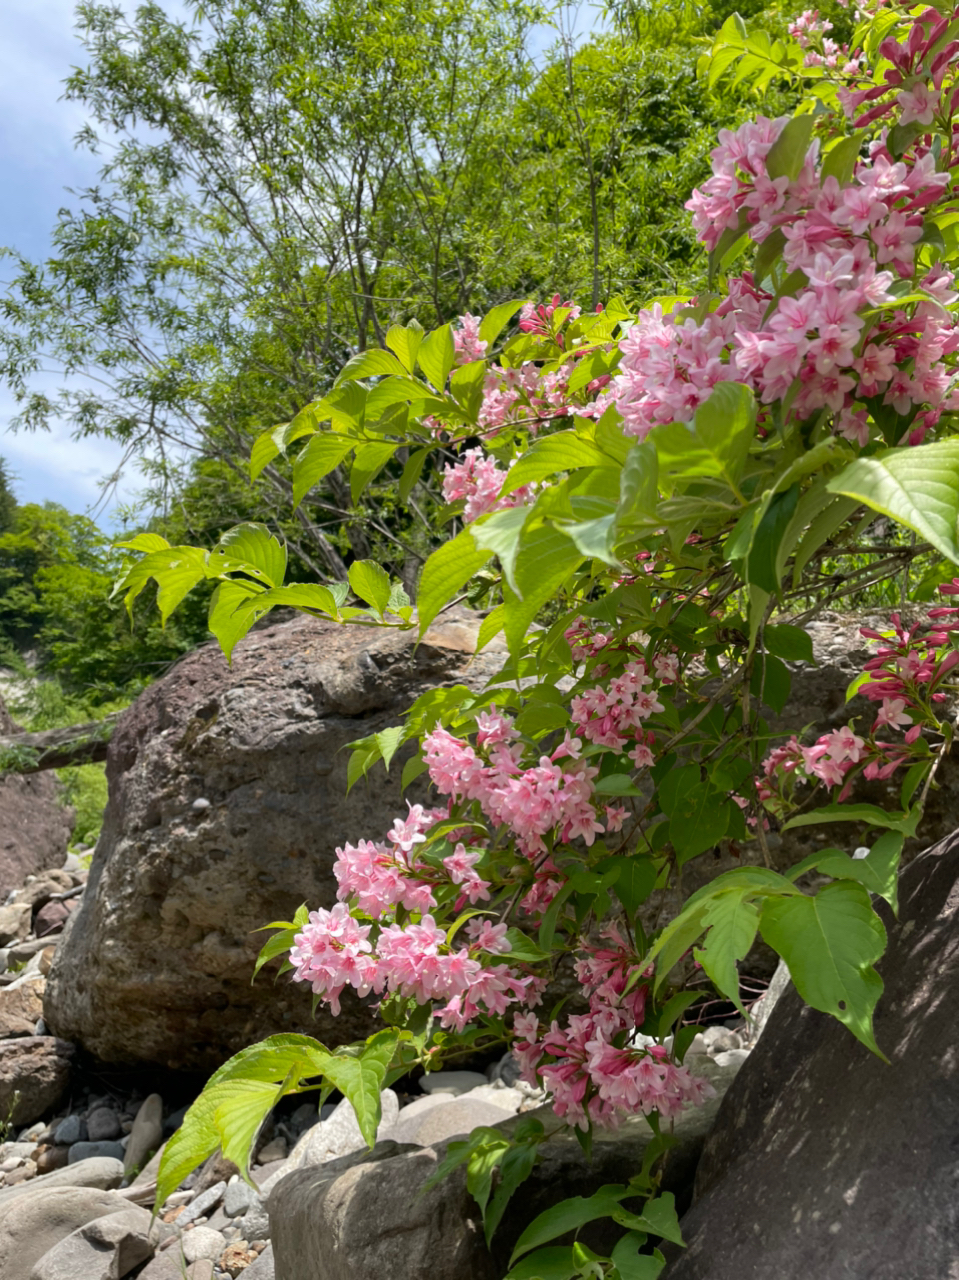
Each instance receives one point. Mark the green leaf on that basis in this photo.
(495, 321)
(389, 741)
(446, 572)
(786, 156)
(830, 943)
(263, 452)
(499, 535)
(564, 451)
(569, 1215)
(878, 871)
(637, 879)
(483, 1163)
(369, 364)
(523, 948)
(306, 596)
(515, 1168)
(839, 161)
(675, 940)
(412, 472)
(659, 1218)
(639, 490)
(360, 1079)
(371, 583)
(278, 945)
(762, 563)
(405, 343)
(636, 1266)
(871, 813)
(240, 1114)
(717, 443)
(228, 626)
(322, 454)
(792, 644)
(555, 1263)
(144, 542)
(918, 487)
(594, 538)
(369, 462)
(436, 356)
(732, 922)
(253, 550)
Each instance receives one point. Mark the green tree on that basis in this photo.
(8, 499)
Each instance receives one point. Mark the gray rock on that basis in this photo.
(34, 1222)
(304, 1117)
(202, 1242)
(155, 965)
(459, 1116)
(203, 1204)
(95, 1151)
(173, 1120)
(345, 1221)
(100, 1175)
(263, 1268)
(69, 1131)
(455, 1082)
(148, 1172)
(107, 1248)
(103, 1125)
(338, 1136)
(507, 1070)
(824, 1160)
(165, 1265)
(37, 1068)
(509, 1100)
(14, 922)
(255, 1223)
(237, 1198)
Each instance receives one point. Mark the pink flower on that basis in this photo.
(892, 714)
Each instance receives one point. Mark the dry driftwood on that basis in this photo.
(54, 748)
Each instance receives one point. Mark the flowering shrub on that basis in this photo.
(642, 499)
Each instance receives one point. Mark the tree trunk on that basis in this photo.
(54, 748)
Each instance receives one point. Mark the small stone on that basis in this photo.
(255, 1223)
(95, 1151)
(51, 1158)
(45, 962)
(10, 1163)
(202, 1242)
(69, 1131)
(202, 1269)
(263, 1268)
(51, 917)
(236, 1258)
(102, 1249)
(146, 1134)
(731, 1057)
(510, 1100)
(238, 1197)
(275, 1150)
(200, 805)
(25, 1173)
(718, 1039)
(173, 1120)
(303, 1118)
(103, 1125)
(456, 1082)
(15, 921)
(203, 1203)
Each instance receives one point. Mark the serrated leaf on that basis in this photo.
(264, 450)
(436, 356)
(306, 596)
(322, 454)
(499, 535)
(251, 549)
(360, 1079)
(871, 813)
(495, 321)
(369, 461)
(371, 583)
(404, 342)
(389, 741)
(564, 451)
(369, 364)
(878, 871)
(830, 943)
(731, 921)
(227, 625)
(918, 487)
(144, 542)
(718, 440)
(412, 471)
(446, 572)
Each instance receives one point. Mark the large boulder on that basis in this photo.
(367, 1214)
(826, 1161)
(227, 799)
(34, 826)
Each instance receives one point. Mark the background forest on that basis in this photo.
(281, 181)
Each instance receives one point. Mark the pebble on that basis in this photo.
(69, 1131)
(103, 1125)
(255, 1223)
(202, 1242)
(236, 1258)
(238, 1197)
(95, 1150)
(203, 1203)
(274, 1150)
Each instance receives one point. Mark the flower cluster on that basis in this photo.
(820, 347)
(589, 1075)
(905, 679)
(476, 478)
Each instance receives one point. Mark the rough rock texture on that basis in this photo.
(346, 1221)
(37, 1221)
(101, 1174)
(825, 1161)
(34, 826)
(105, 1249)
(20, 1009)
(38, 1069)
(156, 963)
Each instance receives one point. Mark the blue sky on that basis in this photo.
(39, 163)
